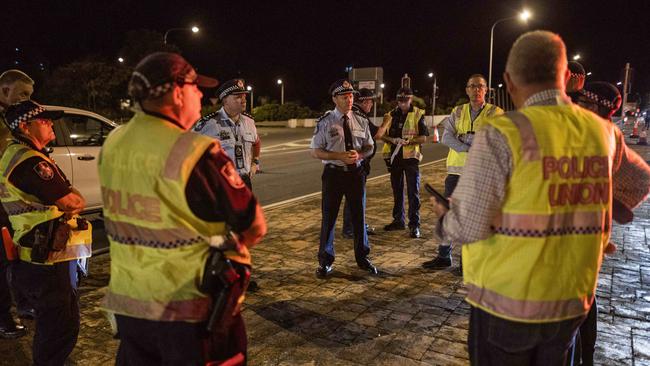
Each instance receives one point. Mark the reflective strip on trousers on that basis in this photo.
(192, 310)
(527, 309)
(536, 225)
(125, 233)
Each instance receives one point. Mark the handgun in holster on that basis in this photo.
(219, 281)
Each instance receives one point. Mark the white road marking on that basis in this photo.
(314, 194)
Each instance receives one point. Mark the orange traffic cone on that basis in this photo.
(8, 243)
(436, 136)
(635, 130)
(643, 137)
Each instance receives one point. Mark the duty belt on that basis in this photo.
(345, 168)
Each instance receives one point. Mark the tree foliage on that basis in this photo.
(93, 85)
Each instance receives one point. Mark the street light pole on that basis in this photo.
(250, 89)
(193, 29)
(524, 15)
(281, 91)
(381, 93)
(433, 96)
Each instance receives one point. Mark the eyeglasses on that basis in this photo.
(476, 86)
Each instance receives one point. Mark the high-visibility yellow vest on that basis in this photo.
(158, 246)
(26, 211)
(464, 124)
(541, 263)
(409, 131)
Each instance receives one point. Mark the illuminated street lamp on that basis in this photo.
(589, 73)
(194, 29)
(281, 91)
(250, 89)
(619, 83)
(523, 16)
(381, 93)
(576, 57)
(120, 60)
(432, 75)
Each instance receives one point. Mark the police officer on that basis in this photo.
(234, 128)
(531, 253)
(15, 86)
(170, 197)
(42, 207)
(403, 131)
(577, 76)
(363, 103)
(342, 140)
(459, 130)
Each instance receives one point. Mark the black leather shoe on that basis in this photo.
(27, 313)
(370, 230)
(415, 232)
(12, 331)
(367, 265)
(394, 226)
(348, 235)
(253, 286)
(437, 263)
(324, 270)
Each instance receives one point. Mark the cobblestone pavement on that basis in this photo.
(407, 316)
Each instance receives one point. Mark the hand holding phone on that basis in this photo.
(439, 197)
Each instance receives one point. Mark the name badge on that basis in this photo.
(359, 133)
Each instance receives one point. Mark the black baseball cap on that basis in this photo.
(26, 111)
(158, 72)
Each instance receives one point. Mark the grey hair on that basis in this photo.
(537, 57)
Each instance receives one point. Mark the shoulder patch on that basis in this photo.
(202, 121)
(232, 177)
(44, 170)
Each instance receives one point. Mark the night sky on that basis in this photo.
(309, 44)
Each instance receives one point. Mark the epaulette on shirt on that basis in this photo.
(360, 114)
(201, 122)
(248, 115)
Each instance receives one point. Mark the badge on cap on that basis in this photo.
(240, 83)
(44, 170)
(232, 177)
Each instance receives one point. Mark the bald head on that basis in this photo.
(537, 57)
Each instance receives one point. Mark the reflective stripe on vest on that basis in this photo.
(158, 246)
(456, 160)
(523, 309)
(26, 212)
(542, 261)
(409, 131)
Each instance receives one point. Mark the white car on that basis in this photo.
(79, 137)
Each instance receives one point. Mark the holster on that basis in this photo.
(225, 282)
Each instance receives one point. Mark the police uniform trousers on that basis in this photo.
(347, 213)
(49, 289)
(444, 249)
(493, 341)
(410, 170)
(337, 183)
